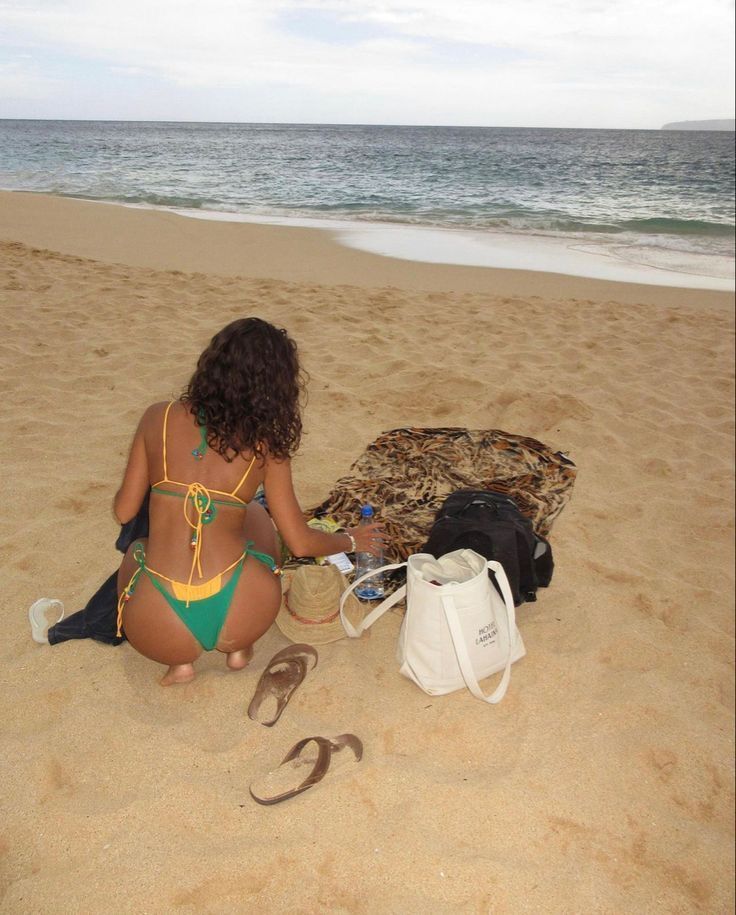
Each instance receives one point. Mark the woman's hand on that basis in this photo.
(369, 538)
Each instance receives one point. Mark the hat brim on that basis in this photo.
(317, 633)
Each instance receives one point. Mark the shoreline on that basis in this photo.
(148, 237)
(581, 255)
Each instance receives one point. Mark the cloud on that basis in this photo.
(21, 79)
(430, 61)
(326, 27)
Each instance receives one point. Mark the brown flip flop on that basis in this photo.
(315, 754)
(283, 673)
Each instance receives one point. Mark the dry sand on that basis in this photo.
(602, 783)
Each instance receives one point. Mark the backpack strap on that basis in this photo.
(356, 631)
(461, 500)
(527, 568)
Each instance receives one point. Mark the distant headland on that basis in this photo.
(722, 124)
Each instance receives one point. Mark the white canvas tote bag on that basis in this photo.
(457, 629)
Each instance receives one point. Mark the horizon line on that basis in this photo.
(366, 124)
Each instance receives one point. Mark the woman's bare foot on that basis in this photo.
(178, 673)
(237, 660)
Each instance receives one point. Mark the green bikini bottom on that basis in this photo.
(205, 617)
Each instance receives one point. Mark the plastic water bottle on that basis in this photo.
(372, 588)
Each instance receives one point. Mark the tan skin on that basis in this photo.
(151, 626)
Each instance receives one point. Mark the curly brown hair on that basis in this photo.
(247, 390)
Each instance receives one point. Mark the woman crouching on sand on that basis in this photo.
(207, 575)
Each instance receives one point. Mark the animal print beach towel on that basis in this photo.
(407, 474)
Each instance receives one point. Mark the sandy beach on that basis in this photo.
(604, 780)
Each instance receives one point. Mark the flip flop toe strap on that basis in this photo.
(348, 740)
(306, 653)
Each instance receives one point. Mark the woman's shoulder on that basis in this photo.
(158, 408)
(153, 415)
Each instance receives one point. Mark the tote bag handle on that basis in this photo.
(458, 639)
(355, 631)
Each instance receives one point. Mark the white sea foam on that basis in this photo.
(573, 256)
(619, 258)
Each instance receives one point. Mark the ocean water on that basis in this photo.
(659, 198)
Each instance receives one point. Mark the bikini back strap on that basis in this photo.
(244, 477)
(166, 422)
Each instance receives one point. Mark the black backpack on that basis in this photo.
(491, 524)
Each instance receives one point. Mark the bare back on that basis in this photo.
(169, 543)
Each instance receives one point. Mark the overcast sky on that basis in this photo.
(533, 63)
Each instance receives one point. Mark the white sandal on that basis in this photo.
(38, 616)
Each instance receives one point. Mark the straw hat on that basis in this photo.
(310, 605)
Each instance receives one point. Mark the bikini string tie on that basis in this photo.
(127, 592)
(262, 557)
(199, 497)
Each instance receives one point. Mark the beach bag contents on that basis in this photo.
(457, 628)
(330, 526)
(491, 524)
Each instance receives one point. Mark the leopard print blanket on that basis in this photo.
(406, 474)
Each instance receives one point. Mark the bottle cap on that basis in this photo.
(366, 511)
